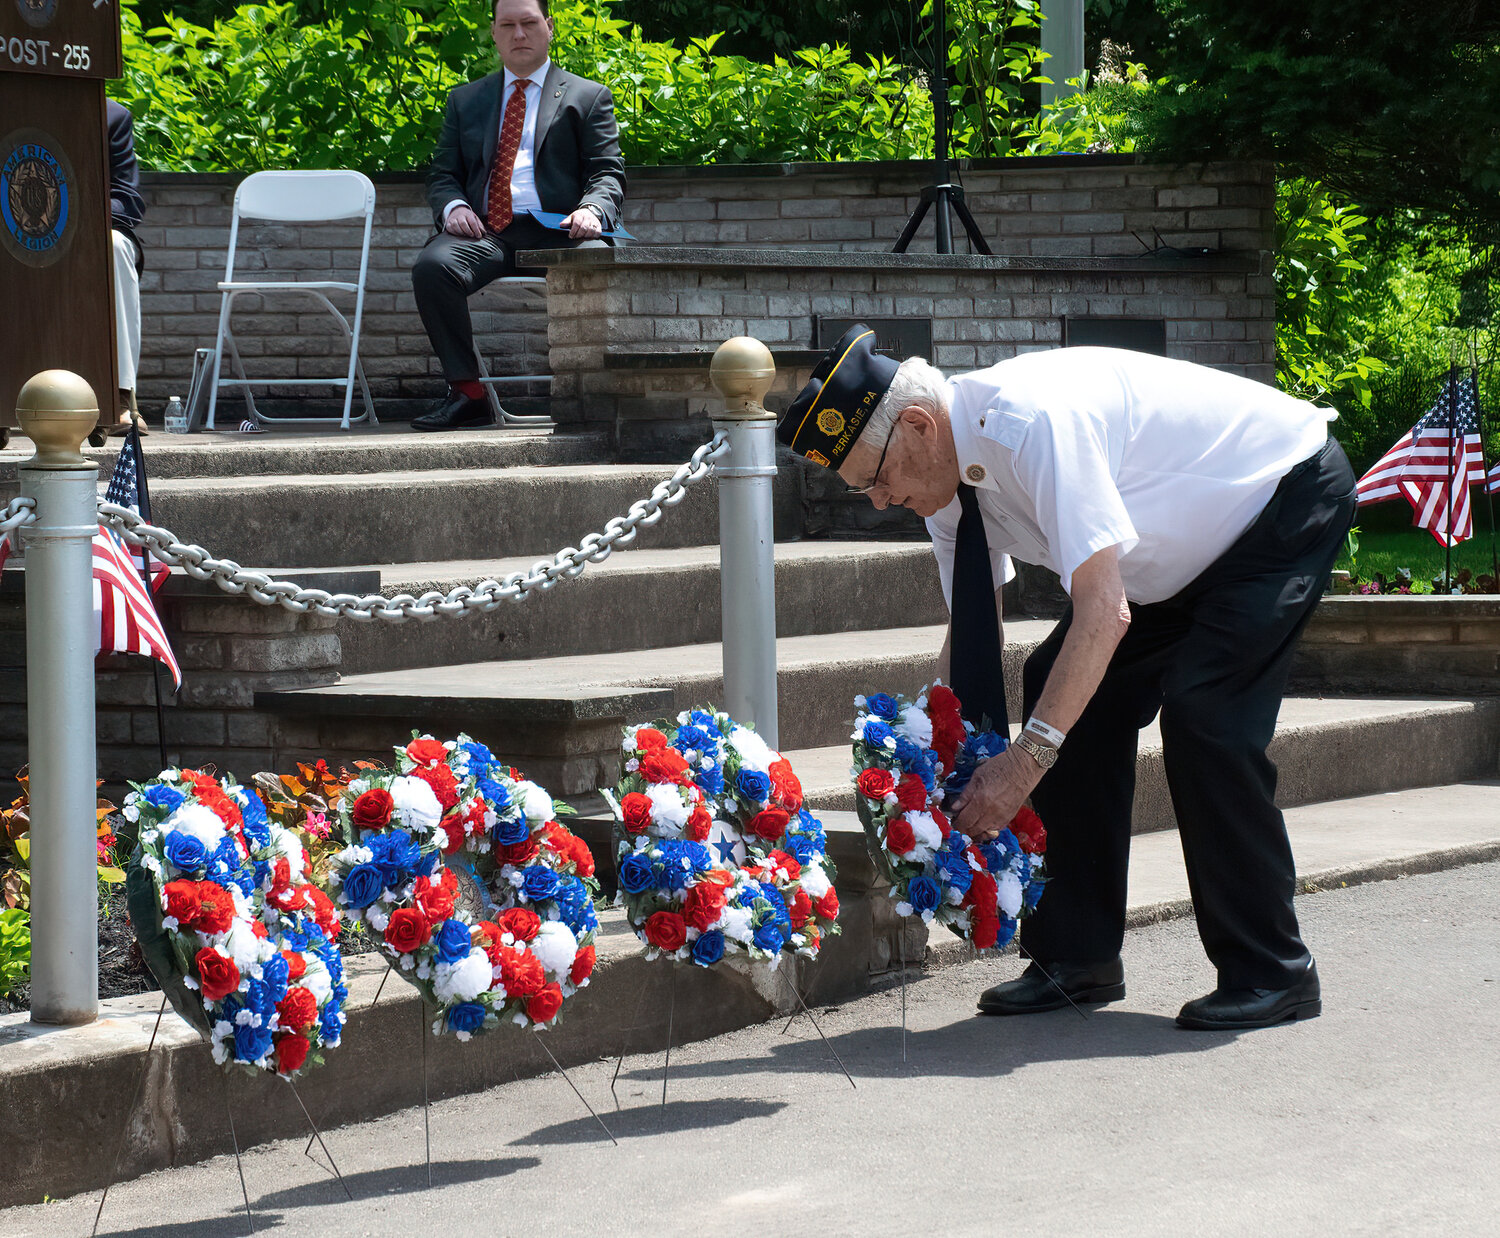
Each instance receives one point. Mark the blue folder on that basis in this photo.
(550, 219)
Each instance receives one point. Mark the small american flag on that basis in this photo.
(127, 488)
(1433, 469)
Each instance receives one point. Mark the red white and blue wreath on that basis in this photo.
(911, 757)
(716, 854)
(243, 945)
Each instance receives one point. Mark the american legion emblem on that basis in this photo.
(37, 13)
(36, 197)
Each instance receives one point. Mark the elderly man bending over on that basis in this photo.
(1194, 517)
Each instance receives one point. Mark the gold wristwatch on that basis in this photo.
(1043, 754)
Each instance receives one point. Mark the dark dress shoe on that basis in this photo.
(1034, 992)
(456, 412)
(1245, 1009)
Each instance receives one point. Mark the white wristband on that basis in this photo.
(1043, 731)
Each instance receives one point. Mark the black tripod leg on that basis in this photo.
(912, 224)
(961, 209)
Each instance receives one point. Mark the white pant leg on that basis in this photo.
(127, 311)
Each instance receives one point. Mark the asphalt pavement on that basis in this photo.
(1380, 1117)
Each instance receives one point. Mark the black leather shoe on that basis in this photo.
(1033, 992)
(456, 412)
(1246, 1009)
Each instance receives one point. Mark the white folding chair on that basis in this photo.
(531, 285)
(297, 197)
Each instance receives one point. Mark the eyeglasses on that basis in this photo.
(879, 464)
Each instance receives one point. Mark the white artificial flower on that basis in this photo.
(555, 948)
(814, 881)
(916, 726)
(242, 945)
(667, 807)
(317, 979)
(357, 788)
(198, 822)
(1009, 893)
(132, 813)
(377, 918)
(352, 855)
(535, 803)
(285, 843)
(754, 752)
(462, 981)
(416, 805)
(926, 830)
(737, 924)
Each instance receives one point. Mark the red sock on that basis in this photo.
(470, 387)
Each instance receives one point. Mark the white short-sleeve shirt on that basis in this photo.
(1074, 450)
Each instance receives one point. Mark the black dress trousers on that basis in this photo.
(452, 268)
(1214, 662)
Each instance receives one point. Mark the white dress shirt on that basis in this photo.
(523, 195)
(1074, 450)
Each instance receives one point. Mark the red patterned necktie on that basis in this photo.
(498, 215)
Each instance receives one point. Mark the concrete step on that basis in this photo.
(320, 453)
(648, 599)
(436, 514)
(1326, 748)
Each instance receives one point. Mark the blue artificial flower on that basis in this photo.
(509, 831)
(778, 904)
(1007, 931)
(884, 705)
(908, 753)
(397, 854)
(245, 880)
(924, 894)
(636, 874)
(479, 754)
(275, 973)
(800, 847)
(363, 884)
(453, 941)
(753, 785)
(876, 733)
(466, 1017)
(769, 936)
(954, 869)
(576, 906)
(495, 794)
(709, 948)
(330, 1026)
(163, 798)
(259, 999)
(710, 780)
(185, 853)
(539, 882)
(251, 1043)
(701, 717)
(696, 739)
(1032, 894)
(262, 871)
(253, 812)
(428, 864)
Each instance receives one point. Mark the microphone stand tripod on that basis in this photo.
(943, 195)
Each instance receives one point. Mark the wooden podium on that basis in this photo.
(56, 257)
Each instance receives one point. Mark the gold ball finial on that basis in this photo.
(57, 410)
(743, 371)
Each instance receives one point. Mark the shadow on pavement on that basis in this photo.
(654, 1119)
(229, 1226)
(975, 1048)
(397, 1180)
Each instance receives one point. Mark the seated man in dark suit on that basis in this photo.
(530, 137)
(126, 208)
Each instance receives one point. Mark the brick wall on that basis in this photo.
(1074, 205)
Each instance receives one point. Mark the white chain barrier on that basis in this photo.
(18, 514)
(487, 595)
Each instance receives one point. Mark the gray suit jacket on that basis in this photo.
(577, 157)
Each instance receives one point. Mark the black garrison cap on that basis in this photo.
(825, 420)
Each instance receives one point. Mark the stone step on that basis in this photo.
(1326, 748)
(437, 514)
(647, 599)
(321, 453)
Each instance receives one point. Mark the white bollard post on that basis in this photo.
(57, 410)
(743, 371)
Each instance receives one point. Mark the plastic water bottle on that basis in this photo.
(176, 419)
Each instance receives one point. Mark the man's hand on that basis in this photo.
(583, 224)
(995, 794)
(462, 221)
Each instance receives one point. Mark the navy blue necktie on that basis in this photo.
(976, 671)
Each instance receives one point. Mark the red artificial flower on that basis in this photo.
(943, 702)
(799, 909)
(291, 1053)
(521, 923)
(583, 965)
(666, 930)
(544, 1006)
(899, 837)
(983, 892)
(827, 907)
(648, 739)
(664, 765)
(785, 785)
(522, 852)
(218, 976)
(986, 930)
(786, 863)
(372, 810)
(582, 857)
(769, 824)
(944, 826)
(426, 751)
(1030, 831)
(182, 900)
(699, 824)
(453, 828)
(296, 966)
(703, 905)
(486, 935)
(259, 930)
(636, 809)
(435, 900)
(324, 912)
(298, 1009)
(444, 785)
(407, 930)
(718, 877)
(520, 972)
(875, 784)
(911, 794)
(215, 911)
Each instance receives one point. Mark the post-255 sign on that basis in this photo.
(62, 38)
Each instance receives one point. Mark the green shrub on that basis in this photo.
(15, 948)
